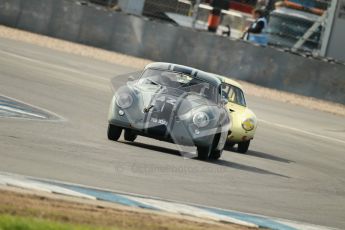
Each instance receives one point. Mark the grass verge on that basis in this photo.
(26, 211)
(10, 222)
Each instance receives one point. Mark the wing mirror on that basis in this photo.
(131, 78)
(224, 101)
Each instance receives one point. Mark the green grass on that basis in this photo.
(8, 222)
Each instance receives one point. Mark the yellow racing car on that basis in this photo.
(244, 121)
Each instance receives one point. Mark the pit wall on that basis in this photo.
(158, 41)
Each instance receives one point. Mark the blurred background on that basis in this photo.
(300, 41)
(297, 25)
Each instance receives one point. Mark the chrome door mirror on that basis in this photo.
(224, 101)
(131, 78)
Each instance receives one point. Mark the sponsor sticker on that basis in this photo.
(158, 121)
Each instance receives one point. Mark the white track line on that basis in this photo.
(57, 117)
(302, 131)
(33, 185)
(169, 206)
(7, 108)
(284, 221)
(304, 226)
(184, 209)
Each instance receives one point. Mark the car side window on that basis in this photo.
(225, 91)
(233, 94)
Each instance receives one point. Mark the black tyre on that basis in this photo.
(129, 135)
(229, 144)
(114, 132)
(210, 152)
(215, 153)
(243, 146)
(204, 152)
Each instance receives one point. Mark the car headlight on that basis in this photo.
(201, 119)
(124, 100)
(248, 124)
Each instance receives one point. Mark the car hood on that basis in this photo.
(240, 112)
(150, 95)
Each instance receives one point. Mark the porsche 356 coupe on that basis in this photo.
(173, 103)
(243, 119)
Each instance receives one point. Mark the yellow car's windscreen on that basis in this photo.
(233, 94)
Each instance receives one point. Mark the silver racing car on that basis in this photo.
(173, 103)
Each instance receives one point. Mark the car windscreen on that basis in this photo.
(180, 81)
(233, 94)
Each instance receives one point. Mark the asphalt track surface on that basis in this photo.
(294, 169)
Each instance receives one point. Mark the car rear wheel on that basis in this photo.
(230, 144)
(114, 132)
(129, 135)
(243, 147)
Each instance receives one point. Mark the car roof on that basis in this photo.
(296, 13)
(186, 70)
(229, 81)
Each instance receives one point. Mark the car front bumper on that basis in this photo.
(180, 132)
(238, 134)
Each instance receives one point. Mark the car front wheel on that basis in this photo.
(114, 132)
(129, 135)
(204, 152)
(210, 152)
(243, 147)
(216, 154)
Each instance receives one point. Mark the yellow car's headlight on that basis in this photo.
(248, 124)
